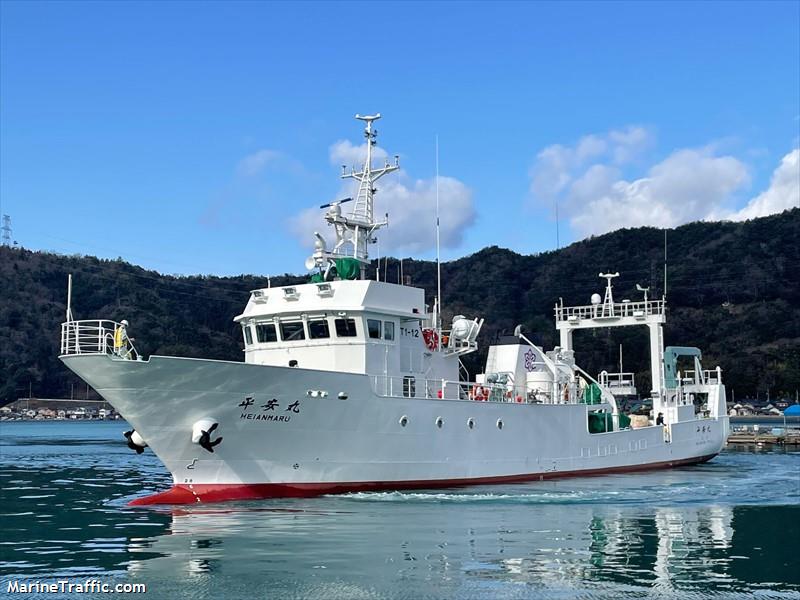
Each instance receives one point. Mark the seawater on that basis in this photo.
(728, 528)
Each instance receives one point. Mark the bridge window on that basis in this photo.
(388, 330)
(374, 328)
(345, 327)
(292, 331)
(409, 386)
(265, 332)
(248, 335)
(318, 329)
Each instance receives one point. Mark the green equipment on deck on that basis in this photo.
(603, 422)
(348, 268)
(592, 394)
(600, 422)
(671, 354)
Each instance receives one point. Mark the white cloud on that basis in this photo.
(411, 205)
(345, 153)
(627, 144)
(783, 192)
(255, 163)
(412, 213)
(557, 166)
(587, 182)
(684, 187)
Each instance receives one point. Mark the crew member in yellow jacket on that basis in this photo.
(121, 340)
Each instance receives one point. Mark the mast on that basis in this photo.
(665, 263)
(438, 257)
(354, 232)
(69, 297)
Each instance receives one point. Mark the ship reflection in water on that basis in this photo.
(470, 545)
(728, 528)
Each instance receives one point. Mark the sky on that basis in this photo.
(194, 137)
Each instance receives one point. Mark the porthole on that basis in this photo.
(403, 421)
(470, 423)
(439, 422)
(499, 423)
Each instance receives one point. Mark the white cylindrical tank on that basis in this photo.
(538, 376)
(540, 380)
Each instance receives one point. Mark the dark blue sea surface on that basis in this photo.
(726, 529)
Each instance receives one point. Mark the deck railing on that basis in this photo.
(704, 377)
(417, 387)
(616, 380)
(94, 337)
(617, 309)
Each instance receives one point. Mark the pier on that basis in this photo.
(773, 436)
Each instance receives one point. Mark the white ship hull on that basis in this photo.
(297, 437)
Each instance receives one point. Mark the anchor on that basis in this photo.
(205, 439)
(135, 441)
(201, 434)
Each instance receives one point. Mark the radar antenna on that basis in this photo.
(367, 176)
(608, 301)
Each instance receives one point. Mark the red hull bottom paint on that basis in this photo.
(224, 492)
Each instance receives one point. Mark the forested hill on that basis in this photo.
(733, 291)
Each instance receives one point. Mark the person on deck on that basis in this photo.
(121, 340)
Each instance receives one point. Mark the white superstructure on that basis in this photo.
(352, 384)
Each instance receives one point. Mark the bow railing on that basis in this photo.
(95, 337)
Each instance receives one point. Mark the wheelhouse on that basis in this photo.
(356, 326)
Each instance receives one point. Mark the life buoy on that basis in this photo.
(519, 399)
(431, 338)
(479, 394)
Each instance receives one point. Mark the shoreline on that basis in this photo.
(754, 420)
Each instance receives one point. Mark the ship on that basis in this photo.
(349, 383)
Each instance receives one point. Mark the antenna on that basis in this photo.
(438, 258)
(643, 289)
(609, 299)
(6, 229)
(69, 297)
(558, 241)
(336, 203)
(355, 232)
(378, 268)
(665, 264)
